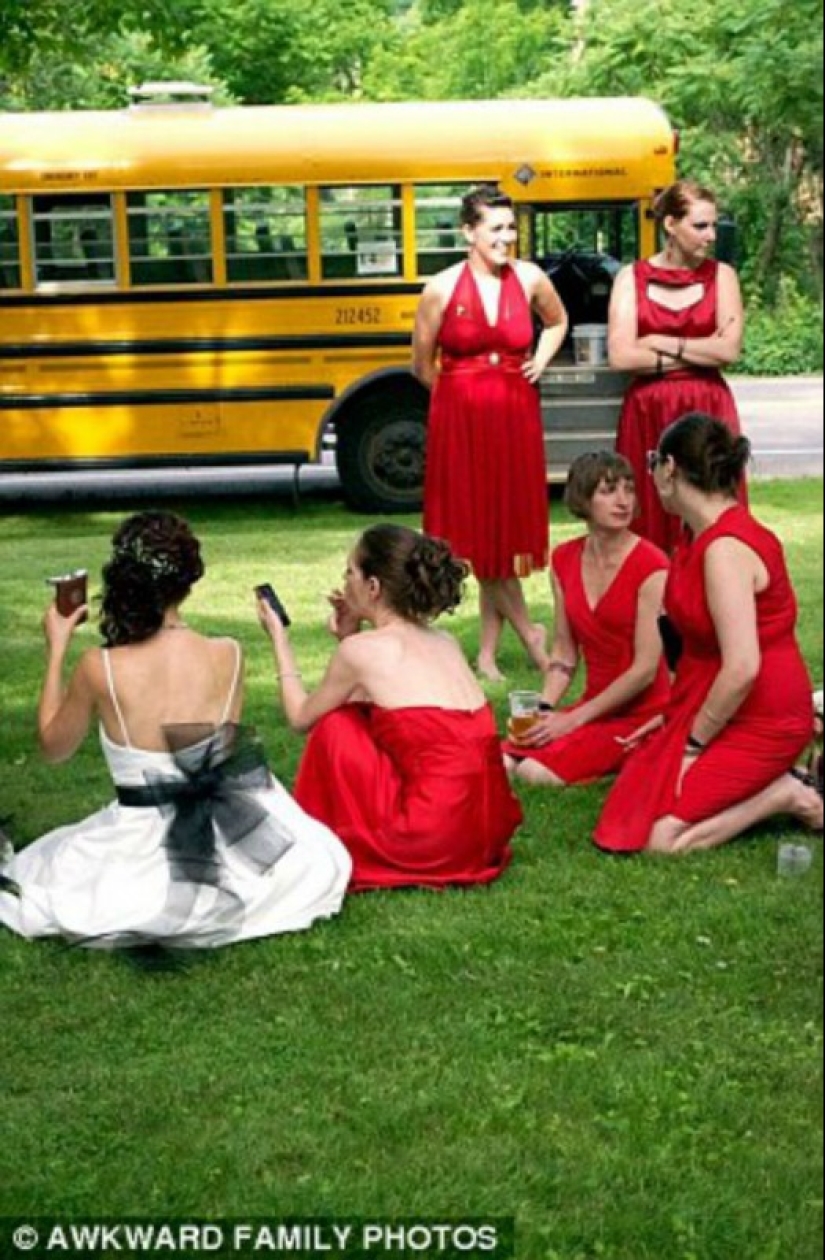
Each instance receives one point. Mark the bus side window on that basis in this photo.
(439, 239)
(361, 232)
(10, 277)
(74, 239)
(170, 238)
(266, 234)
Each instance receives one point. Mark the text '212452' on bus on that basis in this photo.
(188, 285)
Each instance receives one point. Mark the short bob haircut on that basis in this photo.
(586, 475)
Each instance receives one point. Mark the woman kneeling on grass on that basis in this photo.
(741, 713)
(608, 589)
(202, 848)
(403, 762)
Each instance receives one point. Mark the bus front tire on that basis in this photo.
(381, 454)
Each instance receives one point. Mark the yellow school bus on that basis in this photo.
(182, 284)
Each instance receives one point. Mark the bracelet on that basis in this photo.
(695, 746)
(290, 674)
(712, 718)
(682, 346)
(660, 363)
(559, 667)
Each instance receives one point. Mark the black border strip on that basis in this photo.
(152, 297)
(202, 345)
(145, 398)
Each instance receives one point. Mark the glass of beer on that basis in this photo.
(525, 710)
(71, 591)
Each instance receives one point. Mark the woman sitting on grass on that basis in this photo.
(741, 716)
(202, 848)
(403, 761)
(608, 588)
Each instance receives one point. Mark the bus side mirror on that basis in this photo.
(727, 241)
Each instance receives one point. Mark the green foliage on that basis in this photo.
(783, 340)
(624, 1055)
(741, 81)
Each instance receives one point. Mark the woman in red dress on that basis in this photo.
(741, 714)
(403, 761)
(608, 588)
(675, 321)
(486, 483)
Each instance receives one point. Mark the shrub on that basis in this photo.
(783, 340)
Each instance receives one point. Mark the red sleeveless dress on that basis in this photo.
(419, 797)
(653, 403)
(766, 737)
(606, 635)
(486, 482)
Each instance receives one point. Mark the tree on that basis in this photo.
(743, 83)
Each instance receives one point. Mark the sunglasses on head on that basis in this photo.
(654, 461)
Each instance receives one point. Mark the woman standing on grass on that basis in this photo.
(203, 847)
(608, 589)
(403, 760)
(676, 320)
(486, 484)
(741, 713)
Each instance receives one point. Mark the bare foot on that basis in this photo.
(489, 671)
(537, 648)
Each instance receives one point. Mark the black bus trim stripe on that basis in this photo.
(149, 297)
(244, 459)
(201, 345)
(146, 398)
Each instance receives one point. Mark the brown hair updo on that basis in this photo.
(156, 561)
(708, 454)
(586, 475)
(487, 197)
(420, 577)
(675, 202)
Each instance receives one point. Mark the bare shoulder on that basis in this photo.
(442, 286)
(727, 558)
(530, 274)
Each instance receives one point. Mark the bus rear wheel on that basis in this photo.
(381, 452)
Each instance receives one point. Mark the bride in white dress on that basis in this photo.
(202, 847)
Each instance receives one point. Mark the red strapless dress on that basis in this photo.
(653, 403)
(606, 635)
(766, 737)
(486, 483)
(420, 797)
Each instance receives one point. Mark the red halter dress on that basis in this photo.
(486, 484)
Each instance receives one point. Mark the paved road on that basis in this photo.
(783, 417)
(784, 420)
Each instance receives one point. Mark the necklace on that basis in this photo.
(175, 625)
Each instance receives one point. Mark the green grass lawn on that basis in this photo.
(624, 1055)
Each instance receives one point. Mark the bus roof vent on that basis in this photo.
(166, 94)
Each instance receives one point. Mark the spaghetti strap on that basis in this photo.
(230, 700)
(110, 678)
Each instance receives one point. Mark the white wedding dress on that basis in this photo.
(109, 881)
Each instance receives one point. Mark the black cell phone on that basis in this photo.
(672, 642)
(267, 594)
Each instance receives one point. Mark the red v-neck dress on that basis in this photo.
(486, 483)
(419, 796)
(766, 737)
(606, 635)
(653, 403)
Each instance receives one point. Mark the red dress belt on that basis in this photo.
(465, 365)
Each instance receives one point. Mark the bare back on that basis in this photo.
(409, 666)
(176, 678)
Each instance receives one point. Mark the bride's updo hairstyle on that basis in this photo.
(420, 577)
(707, 453)
(156, 560)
